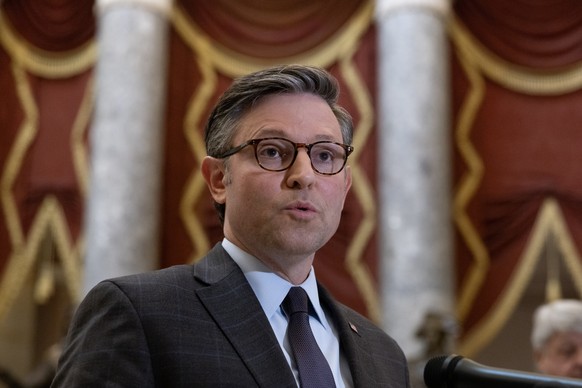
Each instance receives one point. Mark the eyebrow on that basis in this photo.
(275, 132)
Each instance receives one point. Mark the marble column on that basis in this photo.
(415, 166)
(126, 139)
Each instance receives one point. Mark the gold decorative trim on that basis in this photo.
(571, 255)
(50, 218)
(362, 189)
(196, 185)
(549, 221)
(72, 262)
(78, 147)
(553, 285)
(213, 58)
(468, 186)
(45, 63)
(513, 77)
(234, 64)
(17, 266)
(26, 134)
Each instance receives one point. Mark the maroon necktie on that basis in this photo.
(314, 371)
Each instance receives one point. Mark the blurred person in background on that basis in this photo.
(557, 338)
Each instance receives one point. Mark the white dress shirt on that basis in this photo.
(270, 290)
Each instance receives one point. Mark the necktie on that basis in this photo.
(314, 371)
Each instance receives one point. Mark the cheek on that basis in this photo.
(549, 365)
(337, 195)
(333, 202)
(248, 194)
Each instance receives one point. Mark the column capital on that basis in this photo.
(164, 7)
(384, 7)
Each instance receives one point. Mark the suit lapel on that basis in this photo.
(232, 303)
(351, 343)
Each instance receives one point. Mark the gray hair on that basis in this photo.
(558, 316)
(245, 92)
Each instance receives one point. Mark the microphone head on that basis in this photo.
(458, 372)
(437, 370)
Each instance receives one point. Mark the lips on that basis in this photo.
(301, 206)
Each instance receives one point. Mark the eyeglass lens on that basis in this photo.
(278, 154)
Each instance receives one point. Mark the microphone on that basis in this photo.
(458, 372)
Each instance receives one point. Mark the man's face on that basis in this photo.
(283, 217)
(562, 355)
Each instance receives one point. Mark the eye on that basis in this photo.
(271, 149)
(324, 155)
(327, 152)
(567, 350)
(275, 153)
(270, 152)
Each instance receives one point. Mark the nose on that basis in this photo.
(301, 174)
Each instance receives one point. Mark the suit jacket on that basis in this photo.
(202, 325)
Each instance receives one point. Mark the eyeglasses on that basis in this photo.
(278, 154)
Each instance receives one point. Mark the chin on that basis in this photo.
(303, 246)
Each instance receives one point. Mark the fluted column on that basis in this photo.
(126, 139)
(415, 163)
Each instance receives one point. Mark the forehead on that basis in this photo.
(566, 337)
(297, 116)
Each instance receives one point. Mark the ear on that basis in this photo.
(347, 173)
(214, 173)
(348, 178)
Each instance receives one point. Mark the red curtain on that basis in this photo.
(527, 139)
(42, 88)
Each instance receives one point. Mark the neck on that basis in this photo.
(294, 268)
(295, 276)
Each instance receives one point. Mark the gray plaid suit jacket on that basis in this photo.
(202, 326)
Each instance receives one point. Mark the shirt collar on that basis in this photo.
(269, 287)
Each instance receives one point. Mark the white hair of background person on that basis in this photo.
(558, 316)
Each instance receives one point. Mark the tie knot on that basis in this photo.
(296, 301)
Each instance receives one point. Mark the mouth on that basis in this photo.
(302, 207)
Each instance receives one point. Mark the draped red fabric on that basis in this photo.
(45, 167)
(275, 29)
(540, 34)
(52, 25)
(529, 144)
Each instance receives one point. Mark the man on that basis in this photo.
(278, 144)
(557, 338)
